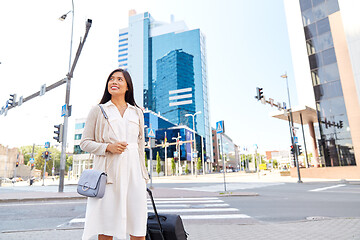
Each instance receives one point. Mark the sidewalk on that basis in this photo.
(331, 229)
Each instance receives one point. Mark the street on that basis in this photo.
(199, 204)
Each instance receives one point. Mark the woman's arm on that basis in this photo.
(88, 142)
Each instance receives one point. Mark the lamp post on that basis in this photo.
(292, 128)
(194, 143)
(67, 101)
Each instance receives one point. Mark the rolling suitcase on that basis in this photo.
(164, 226)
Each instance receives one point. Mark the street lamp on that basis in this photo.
(67, 101)
(292, 135)
(194, 146)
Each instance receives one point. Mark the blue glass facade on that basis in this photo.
(175, 71)
(168, 67)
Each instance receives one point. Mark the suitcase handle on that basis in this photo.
(156, 214)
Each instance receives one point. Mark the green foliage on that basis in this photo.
(198, 164)
(55, 159)
(173, 166)
(158, 163)
(186, 168)
(275, 164)
(27, 150)
(146, 161)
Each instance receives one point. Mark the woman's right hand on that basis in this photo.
(116, 148)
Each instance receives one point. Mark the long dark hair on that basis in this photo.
(129, 95)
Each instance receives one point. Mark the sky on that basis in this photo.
(247, 47)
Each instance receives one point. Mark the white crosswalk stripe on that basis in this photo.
(191, 209)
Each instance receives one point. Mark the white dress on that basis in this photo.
(123, 209)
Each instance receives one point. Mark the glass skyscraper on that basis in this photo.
(167, 62)
(323, 41)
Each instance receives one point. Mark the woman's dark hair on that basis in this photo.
(129, 95)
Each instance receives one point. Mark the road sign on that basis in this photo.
(47, 145)
(176, 154)
(194, 155)
(151, 132)
(220, 127)
(32, 160)
(63, 110)
(296, 140)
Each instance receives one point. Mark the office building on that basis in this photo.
(167, 62)
(324, 39)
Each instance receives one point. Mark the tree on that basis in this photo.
(173, 166)
(158, 163)
(146, 161)
(186, 168)
(198, 164)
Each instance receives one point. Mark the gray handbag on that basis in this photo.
(92, 182)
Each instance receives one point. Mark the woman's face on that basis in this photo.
(117, 85)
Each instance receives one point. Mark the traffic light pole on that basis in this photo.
(67, 112)
(292, 130)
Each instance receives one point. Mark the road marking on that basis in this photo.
(325, 188)
(175, 201)
(224, 216)
(40, 204)
(188, 210)
(189, 205)
(230, 187)
(188, 217)
(169, 199)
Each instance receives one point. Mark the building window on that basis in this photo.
(77, 150)
(79, 125)
(78, 136)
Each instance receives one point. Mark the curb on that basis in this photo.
(238, 194)
(40, 199)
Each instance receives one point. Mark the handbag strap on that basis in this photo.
(107, 119)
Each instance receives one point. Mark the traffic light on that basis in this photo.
(17, 164)
(32, 166)
(12, 99)
(259, 93)
(292, 149)
(341, 124)
(299, 149)
(58, 132)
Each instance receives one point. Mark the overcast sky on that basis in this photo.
(247, 46)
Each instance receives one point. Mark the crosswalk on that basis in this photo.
(199, 208)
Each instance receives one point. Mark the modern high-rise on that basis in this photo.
(324, 39)
(167, 62)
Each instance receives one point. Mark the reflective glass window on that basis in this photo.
(78, 136)
(315, 77)
(324, 41)
(305, 4)
(310, 47)
(317, 2)
(328, 56)
(79, 125)
(323, 26)
(307, 17)
(328, 73)
(310, 31)
(314, 61)
(332, 6)
(319, 12)
(328, 90)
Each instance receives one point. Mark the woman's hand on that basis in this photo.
(116, 148)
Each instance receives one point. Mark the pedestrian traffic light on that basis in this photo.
(259, 93)
(292, 149)
(12, 99)
(299, 149)
(58, 132)
(341, 124)
(17, 164)
(32, 166)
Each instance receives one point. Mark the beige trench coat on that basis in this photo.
(96, 137)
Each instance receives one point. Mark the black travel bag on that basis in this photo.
(164, 226)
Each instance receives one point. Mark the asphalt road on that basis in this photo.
(277, 202)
